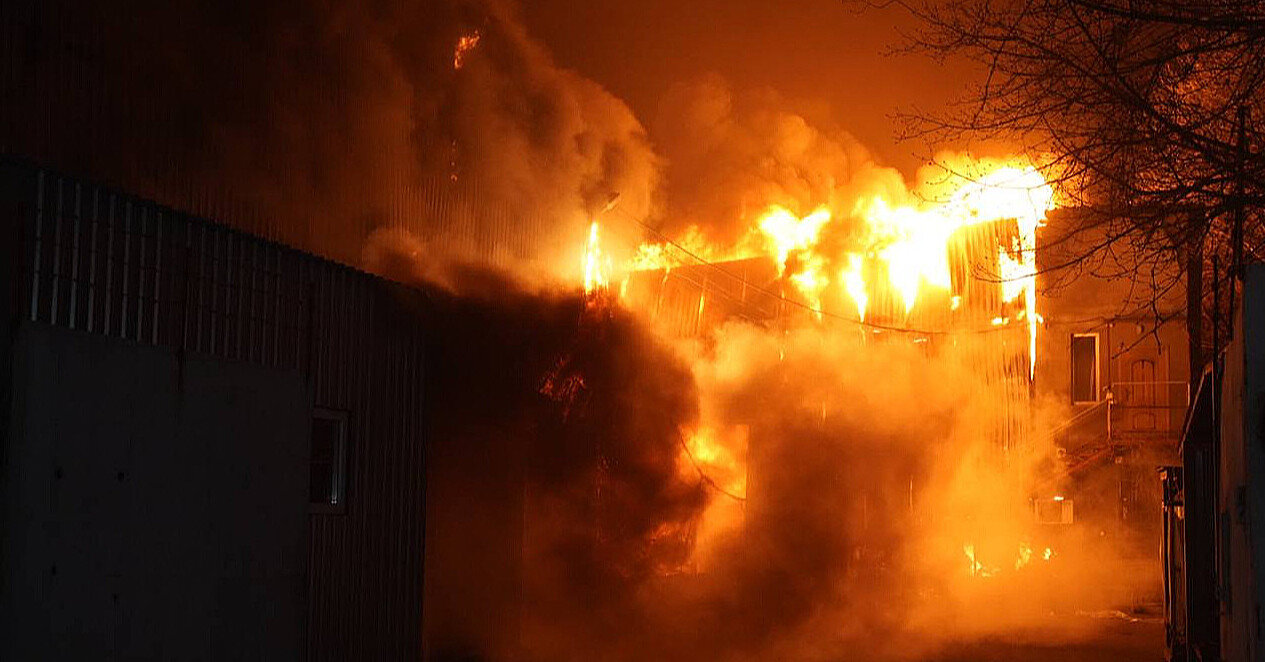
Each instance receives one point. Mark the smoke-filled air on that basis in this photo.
(774, 374)
(775, 429)
(761, 385)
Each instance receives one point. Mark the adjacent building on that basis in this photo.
(213, 445)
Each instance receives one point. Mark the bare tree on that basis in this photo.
(1140, 110)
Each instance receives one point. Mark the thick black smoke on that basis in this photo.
(320, 122)
(561, 520)
(555, 495)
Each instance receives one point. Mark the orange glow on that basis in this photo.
(853, 278)
(464, 45)
(692, 245)
(899, 249)
(595, 265)
(717, 457)
(975, 566)
(884, 258)
(784, 233)
(1025, 555)
(719, 462)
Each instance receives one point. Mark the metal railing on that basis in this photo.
(1140, 408)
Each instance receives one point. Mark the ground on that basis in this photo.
(1106, 637)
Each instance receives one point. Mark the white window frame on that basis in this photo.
(1097, 370)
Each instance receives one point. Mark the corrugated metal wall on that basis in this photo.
(83, 98)
(107, 263)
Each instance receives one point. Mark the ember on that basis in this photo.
(465, 44)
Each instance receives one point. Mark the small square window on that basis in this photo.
(1055, 511)
(327, 463)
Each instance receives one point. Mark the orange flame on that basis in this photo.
(464, 45)
(785, 233)
(977, 568)
(717, 456)
(853, 277)
(595, 265)
(902, 249)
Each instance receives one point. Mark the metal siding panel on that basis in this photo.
(141, 299)
(74, 259)
(94, 225)
(361, 354)
(55, 281)
(127, 266)
(156, 291)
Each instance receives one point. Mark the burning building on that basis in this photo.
(941, 277)
(1116, 379)
(747, 394)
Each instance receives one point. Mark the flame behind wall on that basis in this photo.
(783, 487)
(791, 491)
(799, 493)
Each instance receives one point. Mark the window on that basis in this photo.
(1054, 511)
(327, 464)
(1085, 367)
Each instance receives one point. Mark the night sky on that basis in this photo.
(824, 56)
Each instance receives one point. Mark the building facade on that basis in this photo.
(214, 445)
(1112, 387)
(1215, 499)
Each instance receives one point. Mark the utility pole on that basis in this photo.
(1239, 211)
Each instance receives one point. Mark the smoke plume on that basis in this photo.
(320, 123)
(730, 155)
(864, 510)
(878, 519)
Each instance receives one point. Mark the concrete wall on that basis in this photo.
(156, 504)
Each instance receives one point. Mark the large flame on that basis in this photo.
(593, 264)
(785, 234)
(853, 278)
(895, 249)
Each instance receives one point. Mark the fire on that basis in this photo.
(901, 249)
(1024, 195)
(912, 244)
(689, 247)
(786, 234)
(464, 45)
(717, 457)
(715, 460)
(651, 257)
(1025, 555)
(853, 278)
(977, 568)
(884, 259)
(595, 265)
